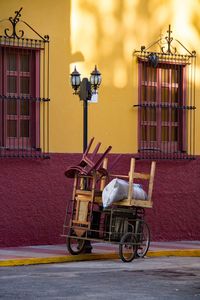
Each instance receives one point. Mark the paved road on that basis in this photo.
(150, 278)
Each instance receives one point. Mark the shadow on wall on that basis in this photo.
(107, 33)
(113, 29)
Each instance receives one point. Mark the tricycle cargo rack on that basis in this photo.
(122, 223)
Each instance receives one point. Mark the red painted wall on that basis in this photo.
(34, 193)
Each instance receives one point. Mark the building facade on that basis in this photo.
(147, 108)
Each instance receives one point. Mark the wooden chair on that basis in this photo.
(89, 162)
(132, 175)
(85, 199)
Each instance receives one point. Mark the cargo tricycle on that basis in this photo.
(122, 223)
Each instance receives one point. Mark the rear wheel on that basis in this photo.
(75, 245)
(127, 247)
(143, 239)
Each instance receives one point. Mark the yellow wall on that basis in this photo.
(105, 33)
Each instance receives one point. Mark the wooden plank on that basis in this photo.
(83, 211)
(103, 179)
(136, 175)
(83, 192)
(151, 180)
(97, 199)
(142, 203)
(74, 187)
(131, 176)
(141, 176)
(134, 202)
(80, 222)
(77, 209)
(119, 176)
(83, 198)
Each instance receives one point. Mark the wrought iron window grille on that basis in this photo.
(166, 100)
(166, 47)
(20, 34)
(24, 98)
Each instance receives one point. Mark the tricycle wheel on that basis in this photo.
(143, 239)
(75, 245)
(127, 247)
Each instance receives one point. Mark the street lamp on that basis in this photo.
(85, 88)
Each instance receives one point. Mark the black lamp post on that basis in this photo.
(85, 88)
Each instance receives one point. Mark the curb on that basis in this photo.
(88, 257)
(178, 252)
(56, 259)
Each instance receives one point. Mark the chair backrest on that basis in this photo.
(95, 163)
(84, 161)
(132, 175)
(89, 158)
(144, 176)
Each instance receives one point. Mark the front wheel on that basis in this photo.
(143, 239)
(75, 245)
(127, 247)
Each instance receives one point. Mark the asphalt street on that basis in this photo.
(149, 278)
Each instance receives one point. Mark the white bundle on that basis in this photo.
(117, 190)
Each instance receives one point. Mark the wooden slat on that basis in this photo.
(80, 222)
(103, 179)
(87, 193)
(141, 176)
(131, 176)
(77, 209)
(134, 202)
(83, 211)
(151, 180)
(83, 192)
(97, 199)
(83, 198)
(74, 187)
(119, 176)
(142, 203)
(136, 175)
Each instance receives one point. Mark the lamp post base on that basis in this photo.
(87, 248)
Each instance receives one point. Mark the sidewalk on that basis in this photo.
(16, 256)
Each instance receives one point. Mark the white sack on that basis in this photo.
(117, 190)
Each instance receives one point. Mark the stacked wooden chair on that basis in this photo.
(90, 177)
(89, 180)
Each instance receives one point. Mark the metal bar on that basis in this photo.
(44, 95)
(191, 53)
(194, 104)
(190, 103)
(48, 123)
(184, 107)
(45, 38)
(85, 124)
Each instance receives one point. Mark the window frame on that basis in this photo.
(145, 142)
(33, 139)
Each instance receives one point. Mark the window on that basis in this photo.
(162, 99)
(24, 90)
(166, 99)
(19, 109)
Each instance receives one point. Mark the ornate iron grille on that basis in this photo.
(24, 91)
(166, 104)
